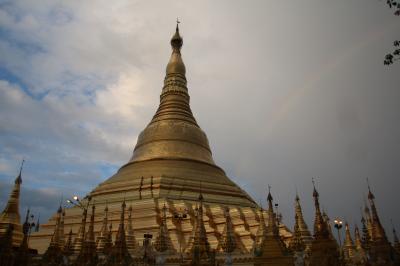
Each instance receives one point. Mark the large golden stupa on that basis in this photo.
(171, 164)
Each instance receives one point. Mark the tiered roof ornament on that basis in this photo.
(366, 237)
(380, 248)
(119, 254)
(324, 249)
(301, 226)
(10, 214)
(260, 234)
(349, 248)
(79, 239)
(61, 228)
(131, 242)
(163, 243)
(69, 245)
(200, 250)
(104, 232)
(360, 257)
(54, 253)
(273, 250)
(22, 254)
(88, 255)
(229, 240)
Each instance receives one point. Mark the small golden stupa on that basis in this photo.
(171, 166)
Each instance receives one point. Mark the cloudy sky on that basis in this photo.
(285, 90)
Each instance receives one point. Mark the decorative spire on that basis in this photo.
(61, 228)
(380, 248)
(37, 226)
(108, 242)
(176, 65)
(10, 214)
(300, 227)
(272, 228)
(297, 243)
(22, 255)
(321, 230)
(104, 232)
(272, 248)
(54, 253)
(378, 233)
(131, 243)
(366, 237)
(88, 254)
(358, 243)
(328, 223)
(357, 238)
(55, 239)
(79, 239)
(348, 244)
(68, 248)
(163, 242)
(229, 243)
(261, 232)
(119, 253)
(201, 248)
(396, 243)
(300, 224)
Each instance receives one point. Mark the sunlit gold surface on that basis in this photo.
(10, 215)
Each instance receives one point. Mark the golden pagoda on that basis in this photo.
(272, 250)
(381, 251)
(171, 165)
(324, 249)
(10, 219)
(348, 248)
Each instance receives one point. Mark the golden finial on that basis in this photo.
(19, 179)
(370, 195)
(315, 192)
(269, 198)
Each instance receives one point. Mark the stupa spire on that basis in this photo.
(10, 214)
(201, 248)
(272, 228)
(175, 64)
(361, 255)
(348, 244)
(272, 248)
(396, 243)
(61, 228)
(380, 248)
(378, 233)
(261, 232)
(79, 239)
(54, 253)
(131, 243)
(163, 242)
(357, 238)
(68, 248)
(321, 229)
(102, 238)
(229, 243)
(88, 254)
(300, 224)
(163, 134)
(119, 253)
(324, 249)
